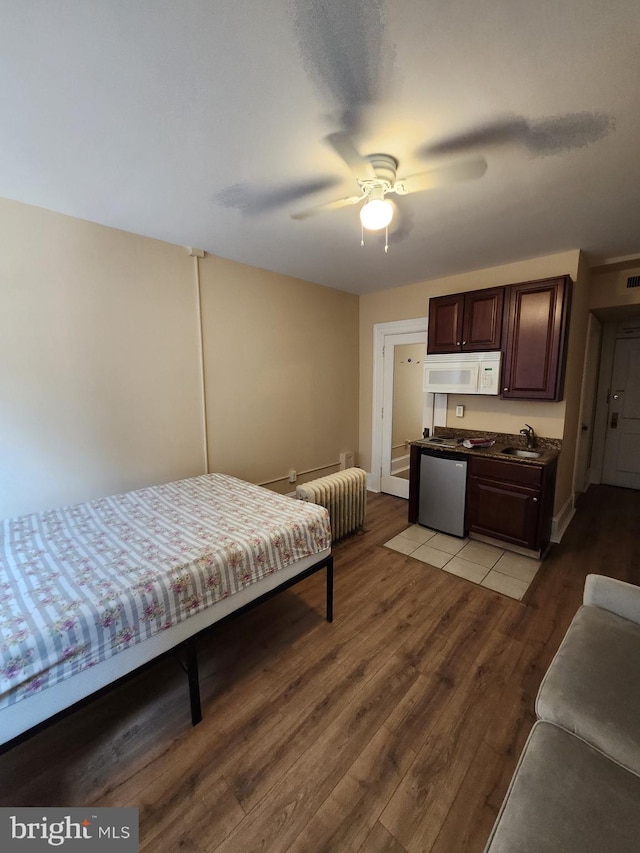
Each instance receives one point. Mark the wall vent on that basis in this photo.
(633, 281)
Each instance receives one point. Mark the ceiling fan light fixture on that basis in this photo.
(377, 212)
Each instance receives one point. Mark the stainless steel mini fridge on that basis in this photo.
(443, 489)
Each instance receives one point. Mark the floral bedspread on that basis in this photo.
(81, 583)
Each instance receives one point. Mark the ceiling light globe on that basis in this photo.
(376, 214)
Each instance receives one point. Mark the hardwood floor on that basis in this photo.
(394, 730)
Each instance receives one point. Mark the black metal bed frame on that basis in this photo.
(190, 663)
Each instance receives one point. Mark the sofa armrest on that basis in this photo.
(616, 596)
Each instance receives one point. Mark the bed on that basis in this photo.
(89, 593)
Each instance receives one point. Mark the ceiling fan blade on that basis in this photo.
(558, 134)
(542, 137)
(361, 168)
(330, 205)
(442, 176)
(253, 201)
(347, 54)
(501, 131)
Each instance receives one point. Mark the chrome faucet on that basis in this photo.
(530, 436)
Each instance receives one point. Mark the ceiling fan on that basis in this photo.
(376, 176)
(347, 53)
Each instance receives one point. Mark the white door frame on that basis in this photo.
(435, 405)
(602, 403)
(582, 476)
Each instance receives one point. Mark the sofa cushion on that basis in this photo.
(566, 796)
(592, 687)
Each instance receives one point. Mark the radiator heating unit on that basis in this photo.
(344, 494)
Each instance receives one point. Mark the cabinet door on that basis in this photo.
(504, 510)
(482, 322)
(536, 325)
(445, 323)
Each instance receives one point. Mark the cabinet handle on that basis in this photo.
(464, 343)
(535, 500)
(505, 389)
(457, 343)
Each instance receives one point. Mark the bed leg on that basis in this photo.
(194, 682)
(330, 589)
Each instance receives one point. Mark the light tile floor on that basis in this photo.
(503, 571)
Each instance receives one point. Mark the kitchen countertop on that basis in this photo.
(549, 447)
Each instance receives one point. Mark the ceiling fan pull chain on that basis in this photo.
(362, 235)
(386, 239)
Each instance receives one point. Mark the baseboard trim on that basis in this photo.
(562, 520)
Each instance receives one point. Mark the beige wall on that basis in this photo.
(608, 288)
(482, 413)
(100, 387)
(99, 383)
(281, 368)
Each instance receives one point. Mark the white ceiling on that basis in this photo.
(199, 121)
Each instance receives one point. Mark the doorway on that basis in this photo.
(401, 409)
(621, 464)
(407, 410)
(615, 457)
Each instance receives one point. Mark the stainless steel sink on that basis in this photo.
(523, 454)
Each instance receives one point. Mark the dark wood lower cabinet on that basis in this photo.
(511, 501)
(503, 510)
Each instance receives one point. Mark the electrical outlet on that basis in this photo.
(459, 411)
(293, 476)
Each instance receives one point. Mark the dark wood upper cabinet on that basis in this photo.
(445, 323)
(466, 322)
(482, 320)
(536, 325)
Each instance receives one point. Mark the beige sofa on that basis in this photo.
(577, 784)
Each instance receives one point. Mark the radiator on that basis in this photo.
(344, 494)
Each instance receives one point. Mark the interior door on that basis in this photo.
(403, 408)
(622, 445)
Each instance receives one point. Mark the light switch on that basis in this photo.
(459, 411)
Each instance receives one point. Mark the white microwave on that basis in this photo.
(463, 373)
